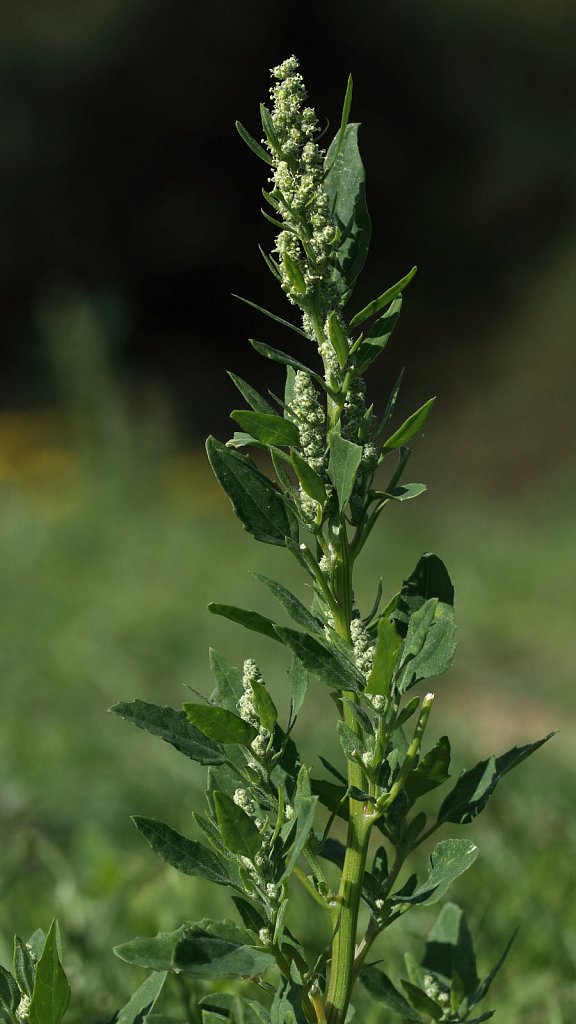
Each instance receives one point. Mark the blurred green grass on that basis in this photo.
(107, 567)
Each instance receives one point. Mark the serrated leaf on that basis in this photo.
(186, 855)
(254, 399)
(144, 998)
(449, 859)
(412, 426)
(329, 666)
(51, 993)
(387, 650)
(219, 724)
(308, 478)
(267, 427)
(296, 610)
(257, 501)
(431, 772)
(250, 620)
(377, 338)
(172, 726)
(379, 986)
(345, 186)
(239, 832)
(475, 786)
(383, 300)
(345, 458)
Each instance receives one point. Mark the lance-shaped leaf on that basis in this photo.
(272, 316)
(9, 994)
(450, 951)
(383, 300)
(429, 579)
(257, 502)
(381, 988)
(265, 707)
(172, 726)
(250, 620)
(449, 859)
(277, 356)
(254, 399)
(238, 830)
(487, 981)
(211, 949)
(345, 186)
(431, 772)
(51, 993)
(256, 148)
(329, 666)
(475, 787)
(338, 338)
(345, 458)
(388, 644)
(186, 855)
(267, 427)
(228, 678)
(421, 1001)
(377, 338)
(219, 724)
(24, 967)
(412, 426)
(291, 604)
(143, 1000)
(304, 811)
(299, 677)
(308, 478)
(405, 492)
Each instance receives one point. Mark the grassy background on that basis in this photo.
(112, 542)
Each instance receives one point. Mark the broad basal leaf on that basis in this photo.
(256, 500)
(174, 727)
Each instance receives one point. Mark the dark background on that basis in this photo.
(122, 175)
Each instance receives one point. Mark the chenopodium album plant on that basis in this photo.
(270, 819)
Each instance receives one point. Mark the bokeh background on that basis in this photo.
(129, 213)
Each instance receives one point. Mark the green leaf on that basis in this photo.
(294, 273)
(291, 604)
(172, 726)
(449, 859)
(344, 119)
(24, 966)
(265, 706)
(412, 426)
(9, 992)
(431, 772)
(144, 998)
(332, 796)
(277, 356)
(345, 458)
(186, 855)
(269, 130)
(383, 300)
(239, 832)
(405, 492)
(475, 787)
(429, 579)
(299, 677)
(308, 478)
(257, 502)
(304, 811)
(329, 666)
(420, 1001)
(250, 620)
(338, 338)
(228, 678)
(345, 186)
(272, 316)
(487, 981)
(254, 399)
(377, 338)
(155, 953)
(252, 144)
(220, 725)
(388, 644)
(381, 988)
(267, 427)
(216, 949)
(449, 949)
(51, 993)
